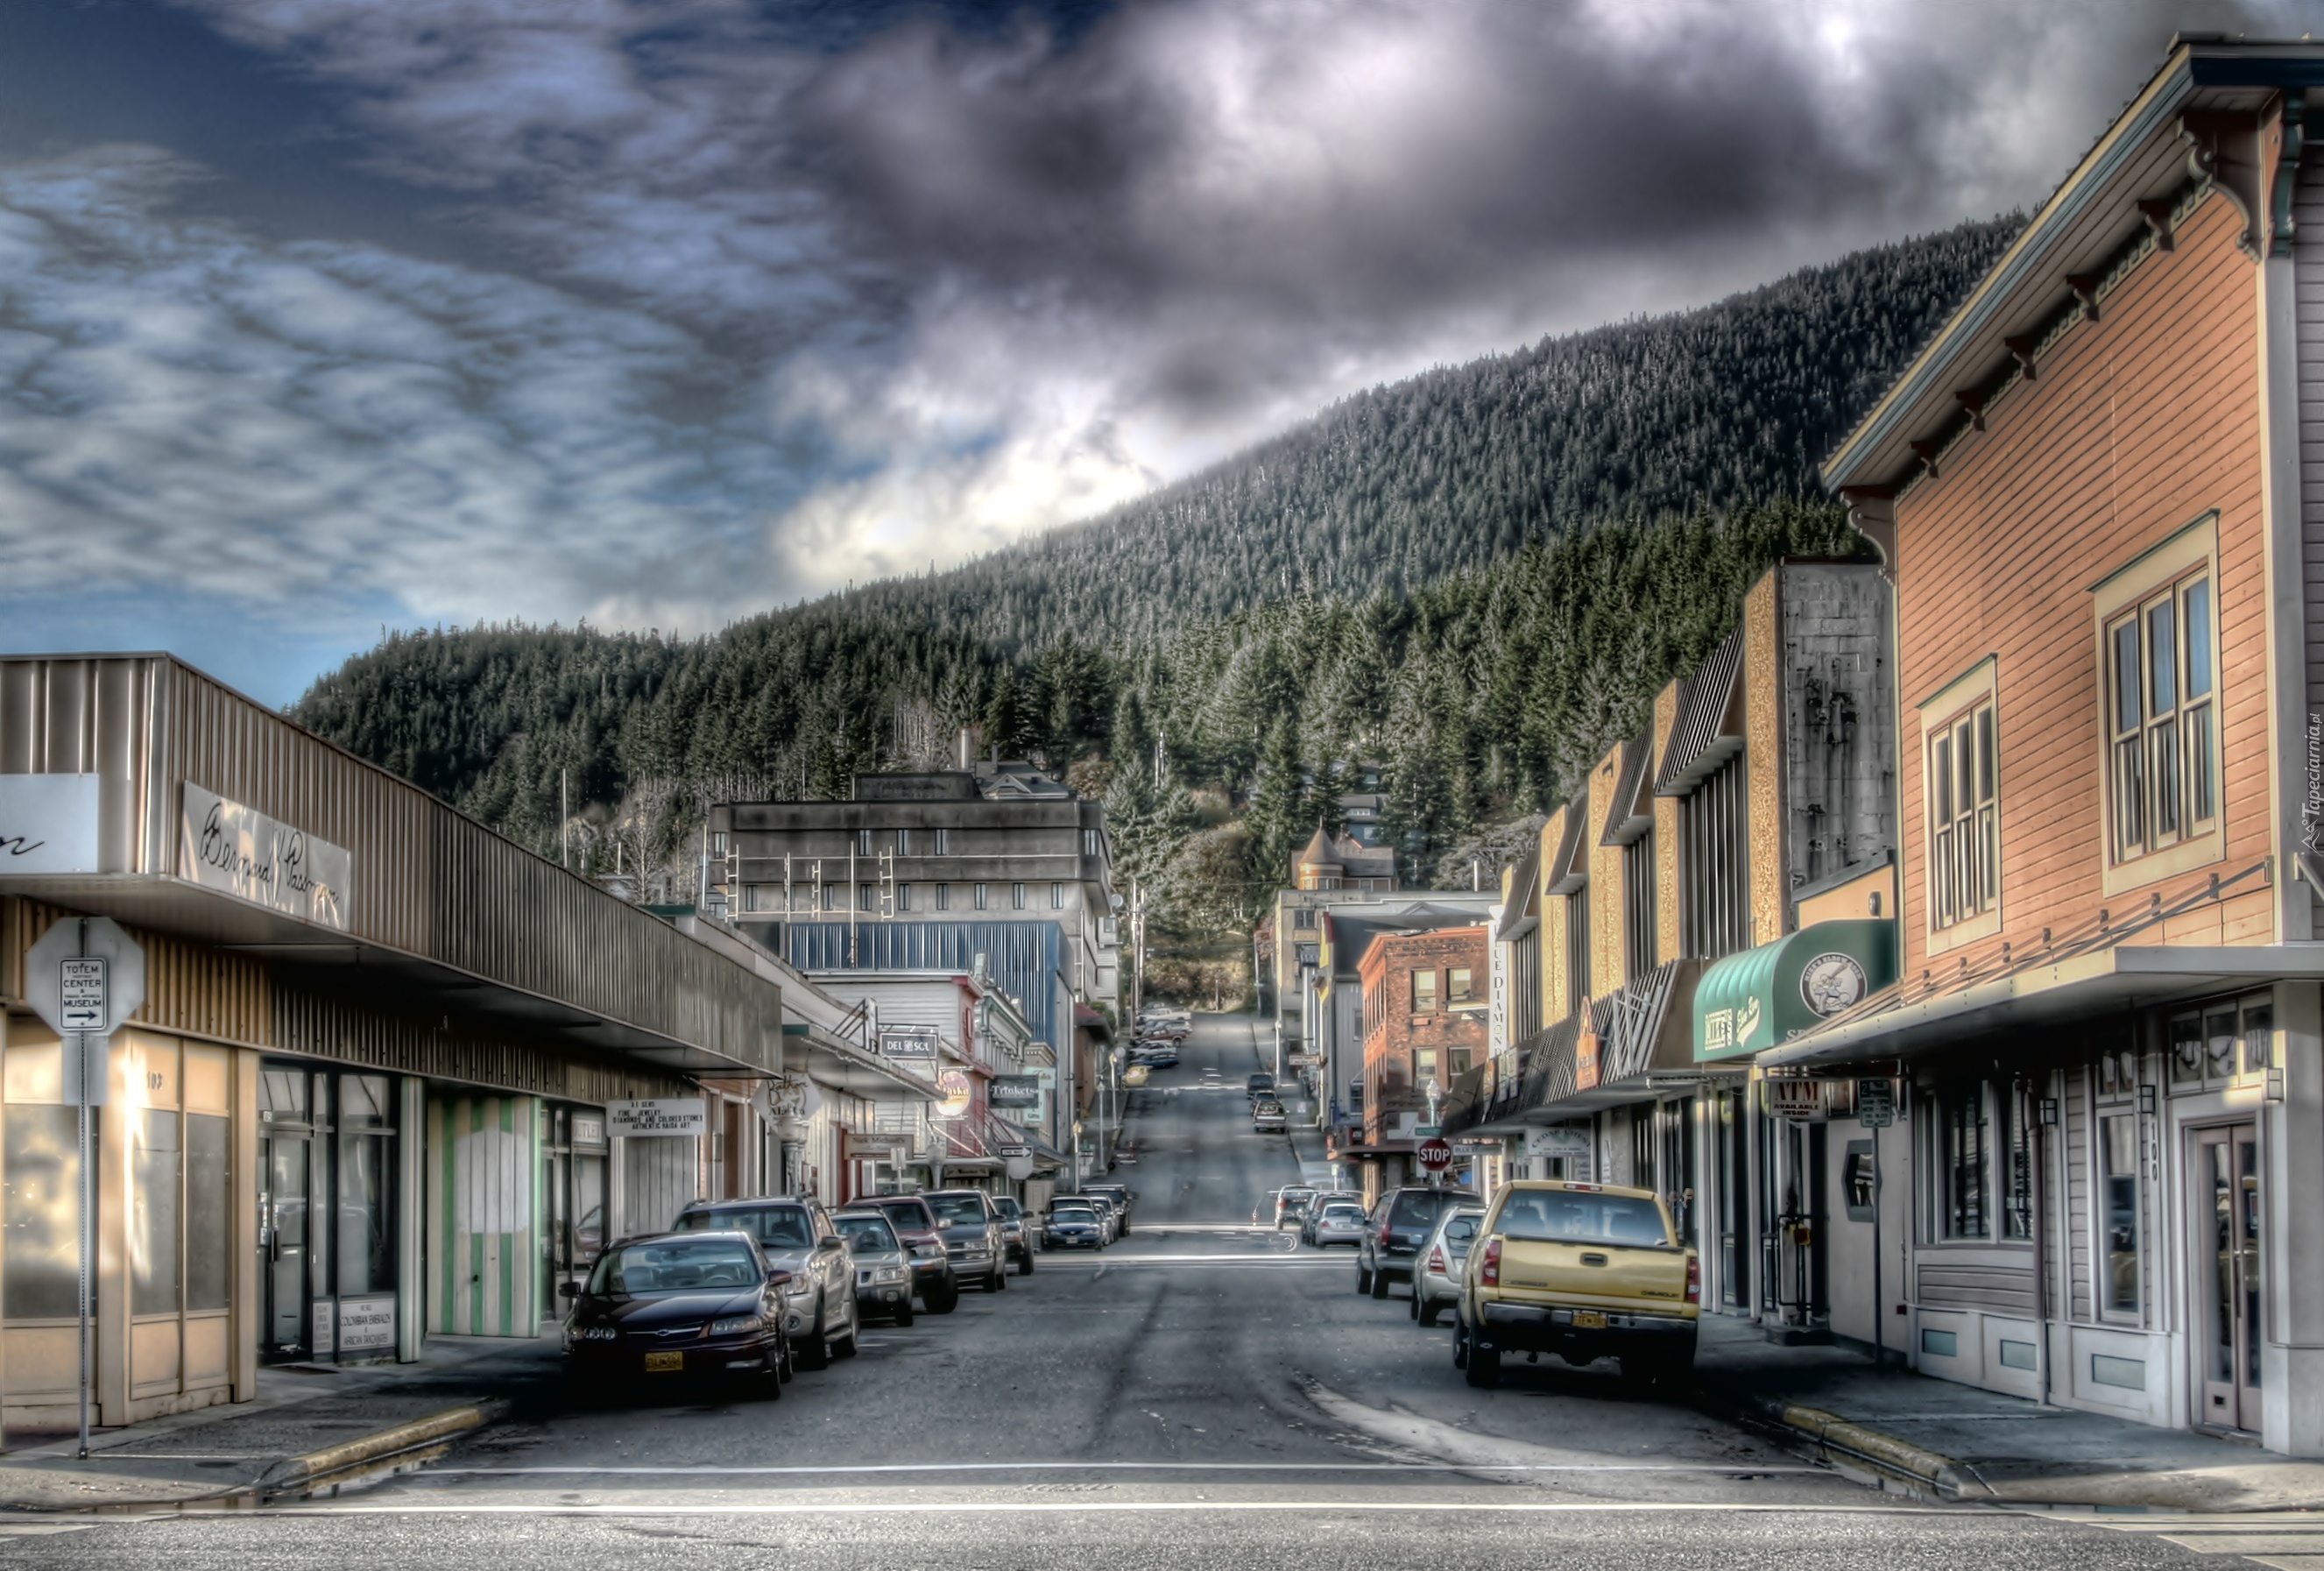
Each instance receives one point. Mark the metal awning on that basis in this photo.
(842, 1066)
(2121, 977)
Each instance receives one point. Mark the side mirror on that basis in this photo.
(777, 1278)
(568, 1289)
(831, 1243)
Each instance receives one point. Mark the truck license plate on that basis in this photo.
(662, 1360)
(1587, 1319)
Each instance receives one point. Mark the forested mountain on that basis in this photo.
(1478, 577)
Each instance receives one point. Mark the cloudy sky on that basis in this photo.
(323, 316)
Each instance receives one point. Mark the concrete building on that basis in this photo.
(368, 1096)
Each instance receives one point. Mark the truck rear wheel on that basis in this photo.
(1484, 1368)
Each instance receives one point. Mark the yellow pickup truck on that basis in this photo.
(1582, 1270)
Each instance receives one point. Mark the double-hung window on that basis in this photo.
(1964, 1207)
(2162, 718)
(1964, 821)
(1424, 992)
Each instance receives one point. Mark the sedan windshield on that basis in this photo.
(869, 1233)
(1569, 1216)
(672, 1265)
(777, 1226)
(959, 1210)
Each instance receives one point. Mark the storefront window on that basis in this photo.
(2118, 1160)
(2017, 1207)
(40, 1277)
(153, 1213)
(1963, 1163)
(367, 1242)
(209, 1202)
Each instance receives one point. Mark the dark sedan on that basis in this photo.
(1072, 1225)
(679, 1309)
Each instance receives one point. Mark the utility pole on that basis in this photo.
(563, 821)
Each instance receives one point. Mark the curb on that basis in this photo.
(380, 1444)
(1844, 1441)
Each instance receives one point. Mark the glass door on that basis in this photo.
(285, 1251)
(2227, 1197)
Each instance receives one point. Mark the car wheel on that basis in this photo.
(1460, 1341)
(788, 1364)
(1025, 1264)
(845, 1346)
(1484, 1368)
(1379, 1283)
(1426, 1313)
(813, 1353)
(998, 1281)
(943, 1297)
(1414, 1301)
(1363, 1276)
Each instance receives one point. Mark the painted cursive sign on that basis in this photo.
(243, 852)
(48, 823)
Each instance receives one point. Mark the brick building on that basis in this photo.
(1424, 1027)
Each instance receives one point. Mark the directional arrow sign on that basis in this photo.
(81, 1002)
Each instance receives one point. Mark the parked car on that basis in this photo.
(933, 1281)
(971, 1234)
(1398, 1225)
(1109, 1215)
(1072, 1223)
(1585, 1271)
(1436, 1273)
(1123, 1198)
(1337, 1222)
(1258, 1085)
(1315, 1209)
(1267, 1116)
(883, 1266)
(1016, 1234)
(796, 1237)
(1291, 1204)
(679, 1310)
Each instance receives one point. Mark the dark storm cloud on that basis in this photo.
(743, 299)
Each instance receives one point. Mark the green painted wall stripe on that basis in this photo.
(508, 1243)
(441, 1123)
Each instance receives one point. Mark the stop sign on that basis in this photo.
(1434, 1154)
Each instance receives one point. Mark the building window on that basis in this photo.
(2017, 1167)
(903, 897)
(1088, 842)
(943, 842)
(1961, 1129)
(2212, 1045)
(1577, 948)
(1424, 992)
(944, 897)
(1964, 829)
(1056, 897)
(981, 896)
(903, 842)
(1460, 987)
(2119, 1198)
(1638, 936)
(866, 898)
(864, 842)
(1423, 1068)
(2162, 776)
(1016, 897)
(1717, 908)
(1303, 919)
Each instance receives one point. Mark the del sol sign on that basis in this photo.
(243, 853)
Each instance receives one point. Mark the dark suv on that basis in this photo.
(923, 1237)
(1398, 1225)
(973, 1236)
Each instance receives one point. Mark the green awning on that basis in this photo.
(1761, 997)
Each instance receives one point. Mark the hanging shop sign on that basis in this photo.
(954, 1084)
(658, 1115)
(1013, 1091)
(242, 853)
(48, 823)
(909, 1041)
(1802, 1099)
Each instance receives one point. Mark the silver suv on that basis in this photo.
(796, 1236)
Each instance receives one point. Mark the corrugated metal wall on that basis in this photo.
(659, 1174)
(1024, 957)
(483, 1225)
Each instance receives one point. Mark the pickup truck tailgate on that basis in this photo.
(1610, 1275)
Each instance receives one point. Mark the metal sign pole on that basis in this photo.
(87, 1207)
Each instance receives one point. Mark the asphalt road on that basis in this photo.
(1203, 1393)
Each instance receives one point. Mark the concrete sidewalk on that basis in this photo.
(307, 1423)
(1952, 1441)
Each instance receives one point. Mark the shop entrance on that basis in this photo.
(574, 1196)
(327, 1166)
(2227, 1277)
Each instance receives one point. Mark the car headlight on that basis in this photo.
(889, 1273)
(736, 1324)
(975, 1252)
(927, 1251)
(798, 1288)
(595, 1334)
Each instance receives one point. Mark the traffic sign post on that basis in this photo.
(85, 976)
(1434, 1153)
(1875, 1110)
